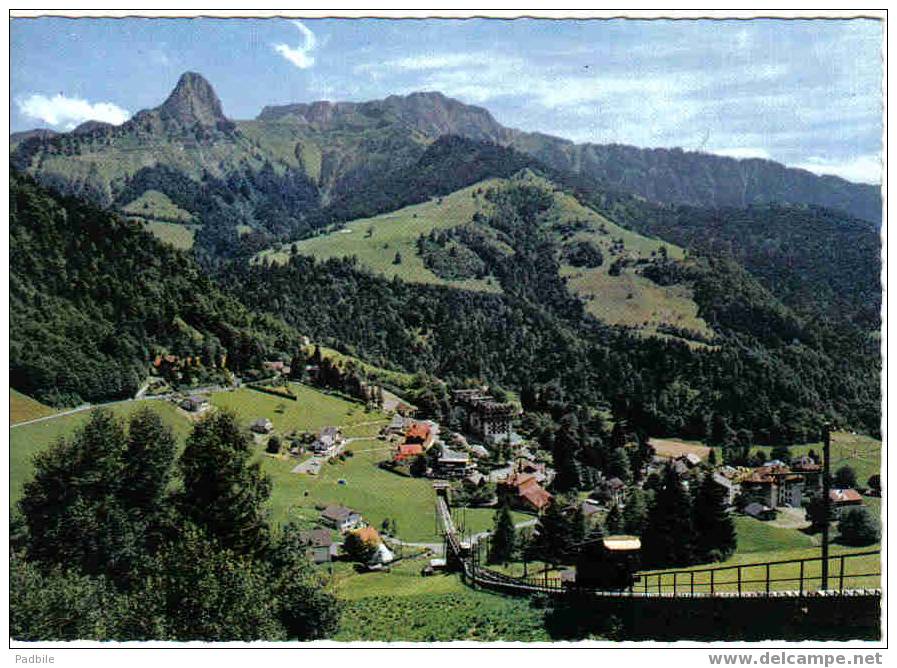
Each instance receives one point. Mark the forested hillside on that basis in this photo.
(93, 298)
(818, 261)
(771, 372)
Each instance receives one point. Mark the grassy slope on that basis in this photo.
(27, 440)
(174, 234)
(154, 204)
(378, 494)
(629, 299)
(396, 231)
(402, 605)
(23, 408)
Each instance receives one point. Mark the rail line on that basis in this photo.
(719, 582)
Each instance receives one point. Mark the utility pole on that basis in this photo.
(826, 499)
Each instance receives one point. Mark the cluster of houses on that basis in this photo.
(762, 491)
(521, 483)
(321, 548)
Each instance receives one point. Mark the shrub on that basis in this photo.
(857, 528)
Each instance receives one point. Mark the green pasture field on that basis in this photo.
(23, 408)
(404, 606)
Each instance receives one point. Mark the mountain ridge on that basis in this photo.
(663, 175)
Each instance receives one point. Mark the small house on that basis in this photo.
(759, 511)
(474, 479)
(195, 404)
(522, 490)
(262, 426)
(617, 489)
(341, 518)
(479, 451)
(277, 366)
(590, 509)
(844, 498)
(419, 433)
(319, 545)
(397, 425)
(408, 451)
(328, 442)
(453, 465)
(691, 459)
(501, 474)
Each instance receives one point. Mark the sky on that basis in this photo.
(802, 92)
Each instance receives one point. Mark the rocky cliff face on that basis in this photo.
(674, 176)
(669, 176)
(431, 114)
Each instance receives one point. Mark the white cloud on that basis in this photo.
(742, 153)
(860, 169)
(65, 112)
(300, 56)
(434, 61)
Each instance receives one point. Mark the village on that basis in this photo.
(486, 464)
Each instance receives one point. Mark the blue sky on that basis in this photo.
(805, 93)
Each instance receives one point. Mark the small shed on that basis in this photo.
(759, 511)
(262, 426)
(195, 404)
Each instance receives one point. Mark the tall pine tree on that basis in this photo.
(223, 492)
(503, 538)
(552, 541)
(669, 535)
(635, 514)
(148, 462)
(715, 538)
(614, 522)
(566, 450)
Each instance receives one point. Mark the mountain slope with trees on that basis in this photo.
(771, 371)
(818, 261)
(94, 298)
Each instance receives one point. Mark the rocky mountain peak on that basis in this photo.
(192, 101)
(430, 113)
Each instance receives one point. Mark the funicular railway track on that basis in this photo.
(786, 579)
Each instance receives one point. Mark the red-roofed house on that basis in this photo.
(774, 486)
(407, 451)
(523, 490)
(844, 498)
(419, 433)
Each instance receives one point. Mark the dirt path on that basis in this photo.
(87, 407)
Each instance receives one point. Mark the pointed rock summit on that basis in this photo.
(192, 102)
